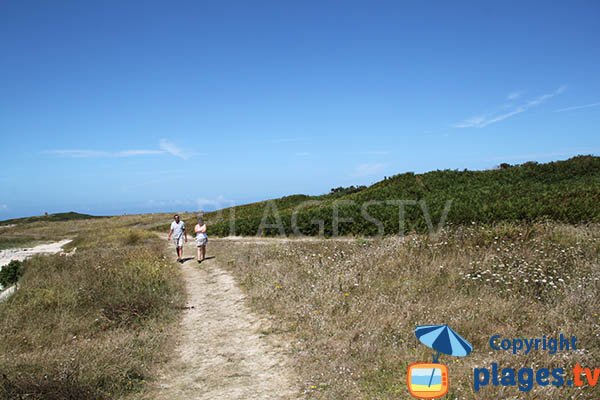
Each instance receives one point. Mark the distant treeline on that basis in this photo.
(66, 216)
(566, 191)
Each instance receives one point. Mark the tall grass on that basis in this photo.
(91, 325)
(353, 304)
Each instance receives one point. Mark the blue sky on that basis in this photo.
(120, 106)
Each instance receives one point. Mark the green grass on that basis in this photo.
(8, 242)
(565, 191)
(92, 325)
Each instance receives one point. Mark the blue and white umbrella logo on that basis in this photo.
(443, 339)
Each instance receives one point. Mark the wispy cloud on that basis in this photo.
(3, 207)
(76, 153)
(514, 95)
(367, 169)
(481, 121)
(578, 107)
(173, 149)
(169, 203)
(216, 203)
(303, 154)
(165, 147)
(199, 204)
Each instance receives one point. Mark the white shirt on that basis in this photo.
(178, 229)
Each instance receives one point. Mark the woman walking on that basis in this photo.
(201, 239)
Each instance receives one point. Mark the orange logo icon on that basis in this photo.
(427, 380)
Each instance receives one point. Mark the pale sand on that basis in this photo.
(6, 256)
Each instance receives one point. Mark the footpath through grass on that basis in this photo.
(353, 305)
(92, 325)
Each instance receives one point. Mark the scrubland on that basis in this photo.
(91, 325)
(353, 304)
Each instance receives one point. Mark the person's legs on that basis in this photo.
(202, 252)
(179, 247)
(198, 253)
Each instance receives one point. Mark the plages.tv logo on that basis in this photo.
(430, 380)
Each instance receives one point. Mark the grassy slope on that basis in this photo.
(353, 305)
(67, 216)
(91, 325)
(566, 191)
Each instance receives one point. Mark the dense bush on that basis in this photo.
(566, 191)
(10, 274)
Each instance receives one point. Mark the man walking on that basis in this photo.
(179, 235)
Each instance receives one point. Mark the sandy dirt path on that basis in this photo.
(21, 254)
(222, 353)
(6, 256)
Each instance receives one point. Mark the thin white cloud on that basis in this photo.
(169, 203)
(216, 203)
(481, 121)
(472, 122)
(3, 207)
(199, 205)
(367, 169)
(173, 149)
(76, 153)
(165, 147)
(514, 95)
(578, 107)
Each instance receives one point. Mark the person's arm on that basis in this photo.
(203, 228)
(184, 234)
(170, 232)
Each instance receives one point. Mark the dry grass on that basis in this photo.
(92, 325)
(353, 305)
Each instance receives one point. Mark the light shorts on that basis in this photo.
(178, 241)
(201, 241)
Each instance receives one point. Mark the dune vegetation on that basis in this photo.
(66, 216)
(91, 325)
(352, 304)
(518, 253)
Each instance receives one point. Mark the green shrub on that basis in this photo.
(10, 274)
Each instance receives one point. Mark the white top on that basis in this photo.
(178, 229)
(200, 231)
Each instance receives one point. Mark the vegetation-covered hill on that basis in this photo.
(567, 191)
(67, 216)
